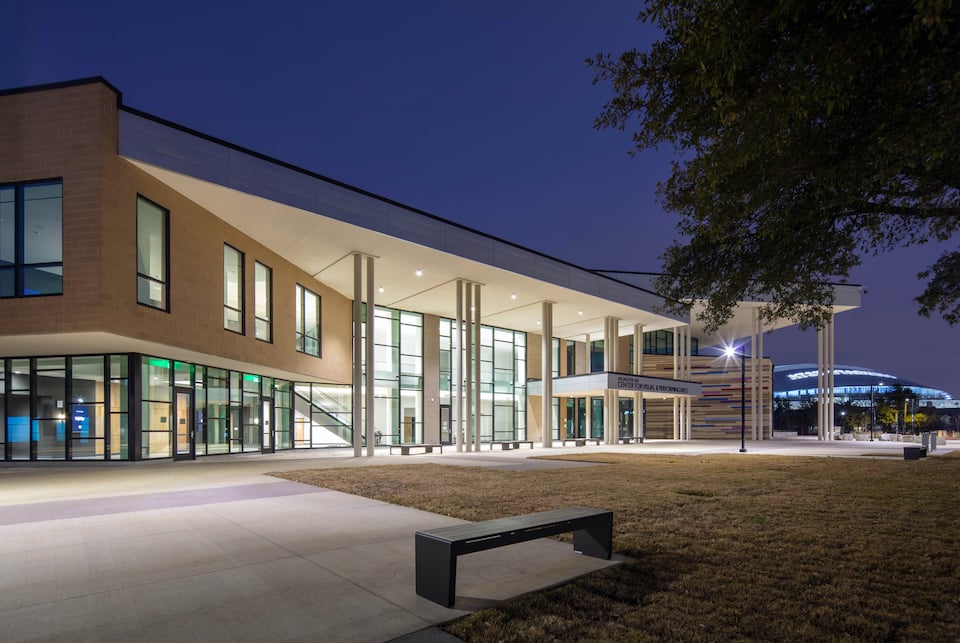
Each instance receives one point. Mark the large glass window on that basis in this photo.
(31, 239)
(49, 419)
(660, 342)
(263, 301)
(156, 410)
(119, 406)
(308, 321)
(503, 369)
(218, 411)
(87, 413)
(398, 375)
(152, 256)
(232, 289)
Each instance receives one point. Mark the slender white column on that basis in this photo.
(588, 365)
(457, 367)
(588, 413)
(765, 433)
(368, 352)
(357, 379)
(546, 373)
(688, 375)
(831, 361)
(676, 375)
(638, 370)
(611, 411)
(477, 402)
(754, 376)
(821, 430)
(468, 369)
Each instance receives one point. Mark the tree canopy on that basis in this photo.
(809, 134)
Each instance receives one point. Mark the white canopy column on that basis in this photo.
(457, 339)
(611, 399)
(357, 379)
(362, 408)
(546, 372)
(468, 370)
(639, 430)
(676, 375)
(756, 379)
(476, 368)
(368, 353)
(825, 369)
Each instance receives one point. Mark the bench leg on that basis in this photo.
(436, 571)
(596, 541)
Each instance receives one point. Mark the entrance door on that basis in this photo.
(445, 424)
(184, 433)
(269, 438)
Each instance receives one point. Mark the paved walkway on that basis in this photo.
(214, 550)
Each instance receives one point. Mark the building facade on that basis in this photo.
(164, 294)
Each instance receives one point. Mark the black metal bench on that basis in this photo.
(506, 445)
(627, 439)
(405, 448)
(437, 549)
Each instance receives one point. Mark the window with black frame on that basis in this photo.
(308, 321)
(31, 239)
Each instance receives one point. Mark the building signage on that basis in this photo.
(624, 382)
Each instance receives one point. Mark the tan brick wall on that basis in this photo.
(72, 132)
(67, 133)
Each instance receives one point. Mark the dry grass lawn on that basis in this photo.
(725, 547)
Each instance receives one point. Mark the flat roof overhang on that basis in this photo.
(845, 297)
(318, 224)
(594, 384)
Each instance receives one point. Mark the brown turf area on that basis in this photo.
(723, 547)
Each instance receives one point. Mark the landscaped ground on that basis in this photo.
(724, 547)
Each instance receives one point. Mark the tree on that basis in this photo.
(808, 135)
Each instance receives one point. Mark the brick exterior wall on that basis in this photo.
(71, 132)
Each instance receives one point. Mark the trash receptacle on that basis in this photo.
(914, 453)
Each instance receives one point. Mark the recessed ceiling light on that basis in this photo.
(381, 288)
(419, 272)
(579, 312)
(513, 295)
(538, 322)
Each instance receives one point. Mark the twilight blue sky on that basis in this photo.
(479, 112)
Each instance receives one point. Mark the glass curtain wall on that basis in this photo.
(56, 408)
(503, 380)
(78, 408)
(397, 376)
(227, 408)
(3, 409)
(322, 415)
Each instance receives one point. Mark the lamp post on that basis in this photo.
(731, 352)
(873, 413)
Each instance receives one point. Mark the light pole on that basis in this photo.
(873, 413)
(731, 352)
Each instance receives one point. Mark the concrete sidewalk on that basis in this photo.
(214, 550)
(217, 551)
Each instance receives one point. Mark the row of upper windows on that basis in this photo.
(31, 262)
(153, 258)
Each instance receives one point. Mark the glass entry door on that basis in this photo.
(445, 437)
(269, 437)
(184, 433)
